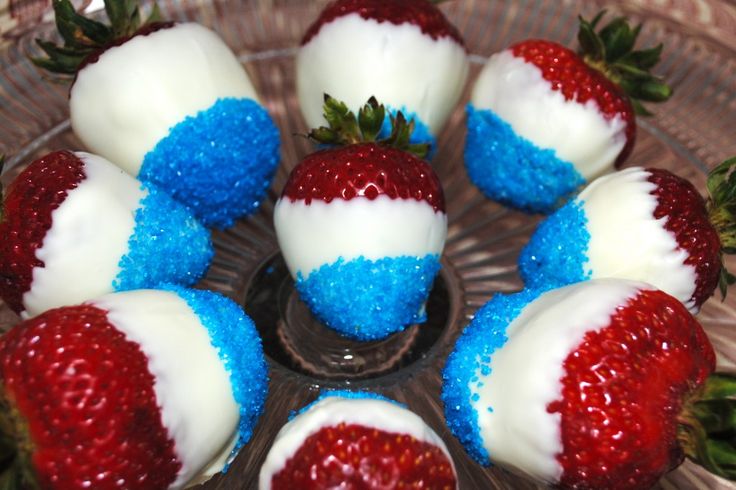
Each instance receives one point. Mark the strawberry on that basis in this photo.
(100, 395)
(403, 52)
(660, 231)
(362, 226)
(357, 441)
(601, 384)
(170, 104)
(77, 216)
(543, 120)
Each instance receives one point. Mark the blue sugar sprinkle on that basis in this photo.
(557, 251)
(236, 340)
(168, 245)
(421, 133)
(344, 394)
(219, 162)
(513, 171)
(473, 350)
(369, 300)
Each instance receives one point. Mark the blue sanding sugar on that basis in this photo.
(238, 344)
(219, 162)
(168, 245)
(421, 133)
(472, 355)
(370, 299)
(513, 171)
(557, 251)
(344, 394)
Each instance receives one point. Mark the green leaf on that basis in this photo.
(651, 91)
(716, 415)
(77, 30)
(639, 109)
(618, 39)
(644, 59)
(154, 15)
(719, 386)
(370, 119)
(590, 44)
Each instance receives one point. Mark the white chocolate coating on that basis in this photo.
(89, 235)
(626, 240)
(352, 58)
(320, 233)
(578, 133)
(192, 387)
(127, 101)
(526, 373)
(334, 410)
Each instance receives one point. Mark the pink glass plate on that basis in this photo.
(689, 134)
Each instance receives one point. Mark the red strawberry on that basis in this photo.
(544, 119)
(422, 13)
(362, 226)
(357, 441)
(79, 399)
(601, 384)
(678, 237)
(78, 214)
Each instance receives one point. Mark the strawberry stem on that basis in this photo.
(721, 205)
(83, 37)
(345, 129)
(707, 432)
(610, 50)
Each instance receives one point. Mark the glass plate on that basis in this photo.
(689, 134)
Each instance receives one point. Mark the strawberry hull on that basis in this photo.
(590, 238)
(363, 410)
(110, 233)
(407, 70)
(529, 144)
(364, 266)
(580, 386)
(155, 104)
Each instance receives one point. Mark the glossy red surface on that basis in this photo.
(354, 457)
(364, 170)
(623, 390)
(86, 395)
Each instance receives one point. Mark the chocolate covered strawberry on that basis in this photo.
(544, 120)
(74, 226)
(144, 389)
(357, 440)
(362, 226)
(603, 384)
(170, 104)
(641, 224)
(403, 52)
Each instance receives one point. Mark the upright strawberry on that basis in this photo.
(170, 104)
(602, 384)
(138, 390)
(543, 120)
(74, 226)
(640, 224)
(403, 52)
(362, 226)
(357, 440)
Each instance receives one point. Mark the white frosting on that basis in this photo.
(89, 235)
(192, 387)
(127, 101)
(320, 233)
(526, 373)
(352, 58)
(625, 239)
(578, 133)
(334, 410)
